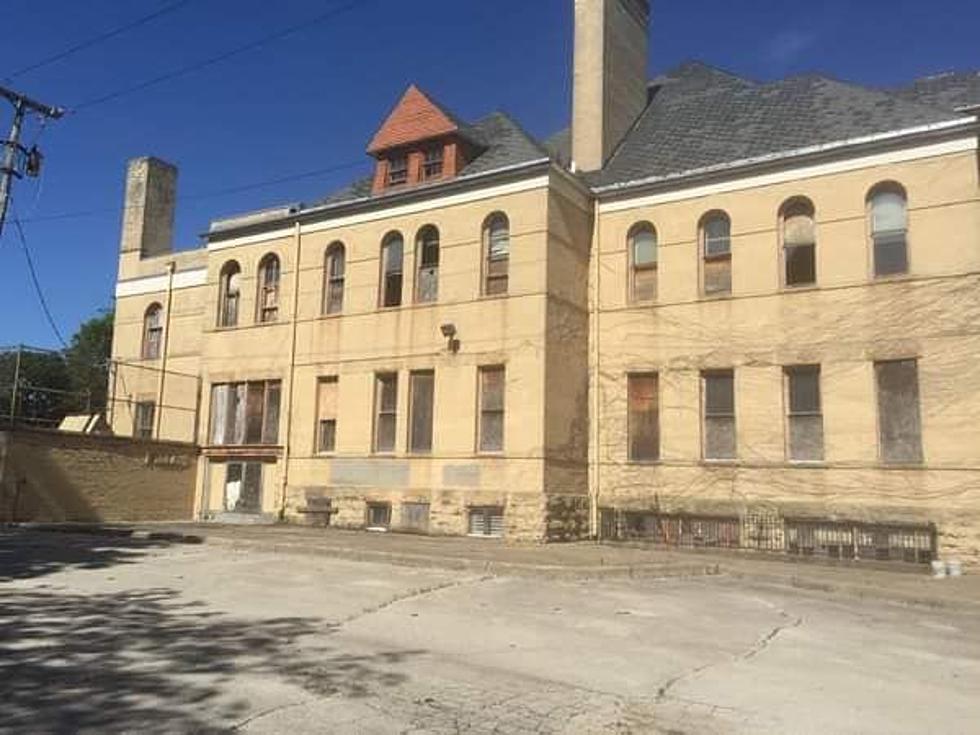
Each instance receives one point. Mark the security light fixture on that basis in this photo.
(449, 332)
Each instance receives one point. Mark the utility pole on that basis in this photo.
(18, 160)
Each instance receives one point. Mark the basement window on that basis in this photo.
(415, 517)
(487, 522)
(378, 516)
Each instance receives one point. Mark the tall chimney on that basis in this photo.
(148, 220)
(610, 76)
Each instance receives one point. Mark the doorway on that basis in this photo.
(243, 487)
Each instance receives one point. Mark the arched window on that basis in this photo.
(268, 301)
(496, 254)
(334, 268)
(716, 251)
(888, 209)
(152, 332)
(427, 265)
(799, 242)
(229, 297)
(643, 262)
(392, 255)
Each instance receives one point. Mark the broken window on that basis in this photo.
(427, 256)
(799, 243)
(889, 228)
(397, 170)
(386, 411)
(334, 271)
(420, 399)
(152, 332)
(496, 246)
(143, 418)
(643, 262)
(245, 413)
(488, 521)
(268, 300)
(899, 422)
(326, 425)
(243, 487)
(492, 389)
(432, 165)
(644, 417)
(230, 295)
(378, 516)
(718, 398)
(392, 253)
(804, 414)
(716, 248)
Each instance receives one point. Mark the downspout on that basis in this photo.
(596, 455)
(171, 267)
(288, 393)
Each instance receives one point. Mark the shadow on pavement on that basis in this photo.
(141, 661)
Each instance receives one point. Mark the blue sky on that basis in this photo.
(312, 100)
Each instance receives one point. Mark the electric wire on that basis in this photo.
(217, 59)
(36, 282)
(97, 39)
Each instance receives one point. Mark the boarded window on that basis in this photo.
(488, 521)
(644, 418)
(378, 516)
(334, 271)
(386, 411)
(152, 332)
(326, 424)
(268, 299)
(643, 263)
(245, 413)
(415, 517)
(392, 253)
(799, 243)
(230, 295)
(899, 423)
(889, 227)
(718, 389)
(716, 236)
(492, 389)
(427, 254)
(243, 487)
(805, 415)
(496, 245)
(420, 399)
(143, 419)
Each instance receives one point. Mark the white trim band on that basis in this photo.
(158, 284)
(958, 145)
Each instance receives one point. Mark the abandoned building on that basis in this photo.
(713, 311)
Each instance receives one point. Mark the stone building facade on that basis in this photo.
(713, 311)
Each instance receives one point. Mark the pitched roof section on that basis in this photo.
(700, 117)
(951, 91)
(416, 117)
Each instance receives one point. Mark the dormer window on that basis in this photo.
(432, 166)
(398, 170)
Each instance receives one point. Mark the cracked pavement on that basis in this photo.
(102, 635)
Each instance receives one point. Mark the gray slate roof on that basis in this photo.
(952, 91)
(700, 116)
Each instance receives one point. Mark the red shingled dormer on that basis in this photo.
(418, 143)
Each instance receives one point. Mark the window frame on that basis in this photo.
(335, 252)
(487, 259)
(386, 244)
(706, 257)
(144, 421)
(381, 412)
(268, 287)
(919, 459)
(229, 270)
(786, 210)
(705, 376)
(430, 162)
(634, 268)
(371, 505)
(421, 243)
(397, 176)
(888, 187)
(413, 376)
(238, 395)
(152, 346)
(630, 455)
(483, 411)
(791, 372)
(320, 420)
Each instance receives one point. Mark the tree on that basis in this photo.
(87, 359)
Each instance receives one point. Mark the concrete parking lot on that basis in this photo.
(106, 635)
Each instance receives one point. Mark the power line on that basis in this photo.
(37, 285)
(205, 195)
(197, 66)
(105, 36)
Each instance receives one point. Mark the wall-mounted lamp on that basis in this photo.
(449, 332)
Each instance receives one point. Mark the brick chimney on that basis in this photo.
(610, 76)
(148, 220)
